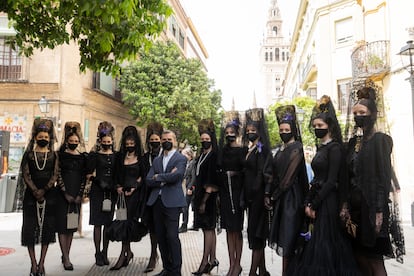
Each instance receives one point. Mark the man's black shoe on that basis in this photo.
(162, 273)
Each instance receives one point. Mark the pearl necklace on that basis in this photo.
(203, 157)
(37, 162)
(40, 212)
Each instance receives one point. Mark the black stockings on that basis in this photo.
(258, 262)
(209, 252)
(371, 267)
(234, 246)
(40, 266)
(65, 241)
(97, 237)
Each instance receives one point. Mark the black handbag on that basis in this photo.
(126, 230)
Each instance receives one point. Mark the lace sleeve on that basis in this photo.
(55, 173)
(26, 173)
(383, 147)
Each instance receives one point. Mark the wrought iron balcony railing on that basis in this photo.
(371, 60)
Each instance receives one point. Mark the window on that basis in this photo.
(271, 56)
(177, 32)
(312, 93)
(277, 57)
(344, 30)
(10, 62)
(106, 84)
(344, 91)
(283, 56)
(266, 56)
(173, 26)
(274, 30)
(181, 40)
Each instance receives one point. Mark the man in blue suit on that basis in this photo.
(167, 198)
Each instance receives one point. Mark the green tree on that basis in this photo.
(163, 86)
(304, 103)
(107, 32)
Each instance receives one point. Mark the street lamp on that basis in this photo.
(406, 54)
(43, 105)
(300, 115)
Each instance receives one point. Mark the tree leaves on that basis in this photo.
(107, 32)
(165, 87)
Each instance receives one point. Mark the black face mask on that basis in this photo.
(130, 149)
(42, 143)
(106, 147)
(155, 145)
(72, 146)
(206, 144)
(252, 136)
(230, 138)
(362, 121)
(167, 145)
(286, 136)
(321, 132)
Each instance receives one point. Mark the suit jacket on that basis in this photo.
(169, 183)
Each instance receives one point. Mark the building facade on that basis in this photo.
(274, 55)
(338, 47)
(71, 95)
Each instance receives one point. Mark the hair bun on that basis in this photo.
(105, 128)
(232, 119)
(285, 113)
(366, 93)
(255, 115)
(206, 125)
(154, 128)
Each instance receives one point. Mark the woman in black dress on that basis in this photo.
(130, 174)
(369, 163)
(101, 160)
(40, 169)
(205, 196)
(230, 165)
(328, 252)
(153, 143)
(290, 184)
(72, 165)
(257, 174)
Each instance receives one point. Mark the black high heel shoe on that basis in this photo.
(213, 265)
(33, 273)
(40, 271)
(151, 264)
(119, 264)
(199, 272)
(105, 258)
(68, 267)
(128, 259)
(240, 271)
(99, 261)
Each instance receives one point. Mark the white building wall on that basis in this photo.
(371, 21)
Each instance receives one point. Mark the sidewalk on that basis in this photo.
(17, 263)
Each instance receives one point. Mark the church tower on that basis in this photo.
(274, 55)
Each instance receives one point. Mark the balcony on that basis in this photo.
(371, 61)
(309, 72)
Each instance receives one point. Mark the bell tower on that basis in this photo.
(274, 55)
